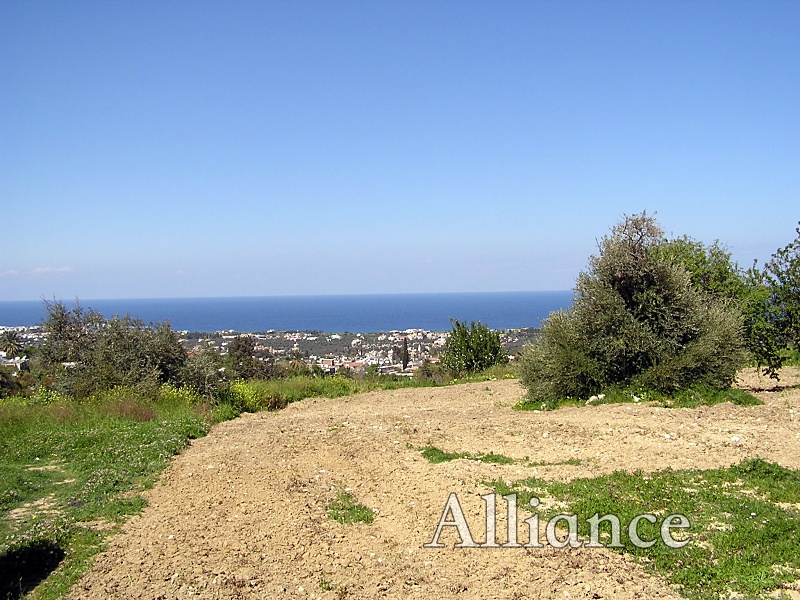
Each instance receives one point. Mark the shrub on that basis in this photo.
(204, 374)
(767, 298)
(472, 349)
(433, 372)
(636, 320)
(84, 353)
(171, 394)
(773, 309)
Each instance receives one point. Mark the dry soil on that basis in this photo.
(242, 513)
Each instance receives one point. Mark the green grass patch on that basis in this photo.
(745, 522)
(436, 455)
(572, 462)
(69, 464)
(272, 394)
(345, 509)
(690, 398)
(695, 397)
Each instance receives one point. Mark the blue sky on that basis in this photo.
(167, 149)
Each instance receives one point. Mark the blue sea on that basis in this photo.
(357, 313)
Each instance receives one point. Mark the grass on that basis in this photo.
(572, 462)
(344, 509)
(435, 456)
(745, 522)
(72, 473)
(273, 394)
(690, 398)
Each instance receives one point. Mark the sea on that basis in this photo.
(335, 313)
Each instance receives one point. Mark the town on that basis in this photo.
(329, 352)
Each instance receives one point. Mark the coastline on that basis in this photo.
(348, 313)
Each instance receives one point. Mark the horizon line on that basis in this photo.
(340, 295)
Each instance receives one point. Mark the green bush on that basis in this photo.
(85, 353)
(636, 320)
(767, 297)
(245, 362)
(773, 310)
(472, 349)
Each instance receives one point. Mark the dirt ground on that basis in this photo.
(242, 513)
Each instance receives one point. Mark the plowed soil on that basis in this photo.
(243, 512)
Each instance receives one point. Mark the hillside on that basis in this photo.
(243, 512)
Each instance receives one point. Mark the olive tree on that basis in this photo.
(636, 320)
(85, 353)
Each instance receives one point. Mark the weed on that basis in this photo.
(572, 462)
(344, 509)
(325, 585)
(435, 455)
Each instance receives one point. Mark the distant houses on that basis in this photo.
(19, 363)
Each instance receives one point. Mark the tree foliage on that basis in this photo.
(245, 362)
(204, 373)
(782, 275)
(767, 297)
(472, 349)
(10, 343)
(85, 353)
(711, 268)
(773, 308)
(636, 320)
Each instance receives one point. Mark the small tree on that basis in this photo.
(636, 320)
(782, 274)
(295, 363)
(773, 308)
(472, 349)
(244, 362)
(405, 357)
(204, 373)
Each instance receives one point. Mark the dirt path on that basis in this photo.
(242, 513)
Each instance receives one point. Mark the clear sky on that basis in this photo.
(196, 148)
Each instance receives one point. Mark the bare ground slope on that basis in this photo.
(242, 513)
